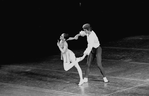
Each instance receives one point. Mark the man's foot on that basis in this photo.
(105, 79)
(81, 82)
(85, 79)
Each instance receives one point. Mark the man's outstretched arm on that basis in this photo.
(74, 38)
(81, 33)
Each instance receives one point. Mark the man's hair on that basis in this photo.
(87, 26)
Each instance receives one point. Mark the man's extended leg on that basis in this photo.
(99, 63)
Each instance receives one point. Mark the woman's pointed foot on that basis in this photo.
(78, 59)
(81, 82)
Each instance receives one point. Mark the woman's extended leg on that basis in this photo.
(80, 73)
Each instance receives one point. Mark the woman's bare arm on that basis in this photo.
(74, 38)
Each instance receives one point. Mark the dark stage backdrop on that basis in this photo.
(30, 28)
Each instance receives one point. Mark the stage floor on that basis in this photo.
(127, 76)
(49, 79)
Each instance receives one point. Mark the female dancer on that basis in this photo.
(69, 58)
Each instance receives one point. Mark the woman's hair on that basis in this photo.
(65, 35)
(87, 26)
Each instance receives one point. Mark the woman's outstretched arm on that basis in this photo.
(74, 38)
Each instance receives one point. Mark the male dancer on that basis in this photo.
(92, 49)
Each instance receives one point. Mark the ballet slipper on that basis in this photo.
(78, 59)
(81, 82)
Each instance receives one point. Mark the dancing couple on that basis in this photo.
(93, 49)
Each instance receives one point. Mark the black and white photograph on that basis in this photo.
(74, 48)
